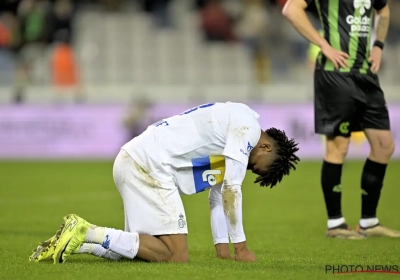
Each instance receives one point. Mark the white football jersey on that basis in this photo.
(189, 149)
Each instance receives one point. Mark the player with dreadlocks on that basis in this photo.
(282, 159)
(207, 147)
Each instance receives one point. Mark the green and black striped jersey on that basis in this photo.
(347, 26)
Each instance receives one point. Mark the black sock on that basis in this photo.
(371, 185)
(331, 174)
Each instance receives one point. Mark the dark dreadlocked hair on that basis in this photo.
(283, 161)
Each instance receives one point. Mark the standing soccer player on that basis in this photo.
(348, 98)
(207, 147)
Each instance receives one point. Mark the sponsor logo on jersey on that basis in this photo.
(208, 171)
(359, 22)
(249, 148)
(362, 5)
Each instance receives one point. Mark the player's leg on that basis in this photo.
(154, 215)
(114, 243)
(177, 245)
(377, 130)
(82, 237)
(98, 251)
(155, 210)
(334, 113)
(129, 245)
(336, 148)
(163, 248)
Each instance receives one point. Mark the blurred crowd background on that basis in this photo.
(111, 50)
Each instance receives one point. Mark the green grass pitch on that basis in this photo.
(285, 226)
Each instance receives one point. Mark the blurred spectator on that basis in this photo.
(216, 24)
(9, 31)
(61, 21)
(9, 6)
(200, 4)
(281, 3)
(5, 32)
(65, 75)
(9, 43)
(32, 15)
(252, 29)
(64, 70)
(111, 5)
(138, 117)
(160, 11)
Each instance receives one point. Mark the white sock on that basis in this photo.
(332, 223)
(95, 234)
(121, 242)
(98, 251)
(365, 223)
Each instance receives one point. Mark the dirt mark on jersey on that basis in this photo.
(240, 132)
(125, 155)
(229, 197)
(123, 159)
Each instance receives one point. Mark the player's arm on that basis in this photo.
(382, 27)
(219, 227)
(242, 135)
(232, 207)
(235, 172)
(294, 11)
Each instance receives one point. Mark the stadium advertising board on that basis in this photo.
(90, 132)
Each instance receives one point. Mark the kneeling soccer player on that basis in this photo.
(207, 147)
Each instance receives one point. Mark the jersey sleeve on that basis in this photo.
(241, 137)
(309, 1)
(379, 4)
(221, 227)
(235, 172)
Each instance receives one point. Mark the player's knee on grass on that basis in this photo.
(336, 149)
(177, 245)
(152, 249)
(179, 257)
(164, 248)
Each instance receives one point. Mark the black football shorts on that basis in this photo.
(347, 102)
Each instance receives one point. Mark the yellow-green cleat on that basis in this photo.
(45, 250)
(72, 237)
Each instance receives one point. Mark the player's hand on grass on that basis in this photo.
(223, 251)
(375, 59)
(338, 58)
(243, 254)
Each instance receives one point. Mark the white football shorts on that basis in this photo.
(151, 207)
